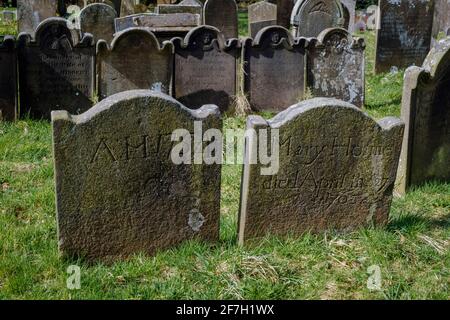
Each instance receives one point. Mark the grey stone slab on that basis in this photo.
(255, 27)
(262, 11)
(158, 21)
(223, 15)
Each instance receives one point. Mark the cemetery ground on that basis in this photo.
(412, 251)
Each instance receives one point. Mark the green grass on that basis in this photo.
(412, 251)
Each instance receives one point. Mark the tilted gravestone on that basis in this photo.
(337, 168)
(349, 9)
(98, 20)
(30, 13)
(205, 68)
(222, 14)
(56, 70)
(8, 79)
(284, 10)
(118, 192)
(336, 66)
(274, 69)
(404, 35)
(441, 21)
(426, 112)
(310, 17)
(134, 60)
(260, 15)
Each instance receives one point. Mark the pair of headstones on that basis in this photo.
(122, 189)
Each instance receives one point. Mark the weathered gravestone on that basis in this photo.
(118, 191)
(134, 60)
(130, 7)
(337, 168)
(274, 69)
(98, 20)
(260, 15)
(8, 79)
(441, 21)
(176, 21)
(223, 15)
(336, 66)
(404, 36)
(205, 68)
(56, 70)
(30, 13)
(186, 6)
(426, 112)
(284, 10)
(311, 17)
(349, 10)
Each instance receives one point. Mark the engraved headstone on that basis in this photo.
(426, 112)
(30, 13)
(310, 17)
(274, 69)
(118, 192)
(205, 68)
(223, 15)
(337, 169)
(336, 67)
(260, 15)
(98, 20)
(404, 36)
(8, 79)
(56, 70)
(349, 8)
(441, 21)
(134, 60)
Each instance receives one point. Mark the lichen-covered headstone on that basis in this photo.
(30, 13)
(205, 68)
(222, 14)
(134, 60)
(274, 69)
(336, 67)
(8, 79)
(337, 168)
(56, 70)
(98, 20)
(260, 15)
(117, 190)
(426, 112)
(349, 9)
(404, 33)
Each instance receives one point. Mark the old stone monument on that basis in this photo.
(98, 20)
(441, 21)
(404, 36)
(274, 69)
(30, 13)
(118, 191)
(186, 6)
(261, 14)
(336, 66)
(426, 112)
(311, 17)
(56, 70)
(223, 15)
(337, 168)
(205, 68)
(134, 60)
(8, 79)
(349, 9)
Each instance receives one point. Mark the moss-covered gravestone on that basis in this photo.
(118, 191)
(8, 79)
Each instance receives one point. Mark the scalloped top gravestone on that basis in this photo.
(274, 69)
(337, 169)
(30, 13)
(205, 68)
(118, 192)
(260, 15)
(151, 67)
(426, 112)
(8, 79)
(98, 20)
(222, 14)
(336, 66)
(56, 70)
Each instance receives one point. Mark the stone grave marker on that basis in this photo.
(8, 79)
(337, 169)
(186, 6)
(118, 192)
(64, 4)
(98, 20)
(176, 21)
(441, 21)
(349, 9)
(30, 13)
(223, 15)
(260, 15)
(56, 70)
(336, 66)
(274, 69)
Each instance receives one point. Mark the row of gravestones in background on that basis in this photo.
(57, 70)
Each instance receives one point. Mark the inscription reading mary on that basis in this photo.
(222, 14)
(118, 191)
(334, 176)
(8, 79)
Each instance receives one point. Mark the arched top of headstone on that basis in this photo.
(437, 62)
(191, 3)
(7, 43)
(261, 11)
(205, 38)
(277, 37)
(305, 7)
(338, 38)
(222, 14)
(97, 7)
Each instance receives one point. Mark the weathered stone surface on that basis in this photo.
(260, 15)
(349, 9)
(175, 21)
(205, 68)
(118, 191)
(441, 21)
(311, 17)
(8, 79)
(255, 27)
(56, 70)
(284, 10)
(134, 60)
(336, 66)
(426, 112)
(223, 15)
(274, 69)
(98, 20)
(186, 6)
(337, 168)
(404, 36)
(30, 13)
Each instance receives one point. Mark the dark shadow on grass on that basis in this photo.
(408, 222)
